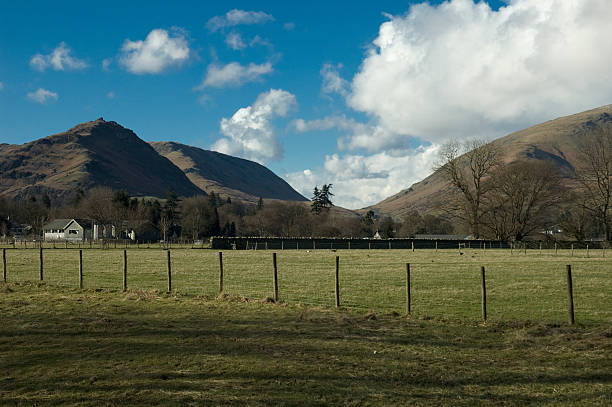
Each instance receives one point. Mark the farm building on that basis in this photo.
(67, 229)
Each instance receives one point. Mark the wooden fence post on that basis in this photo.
(484, 293)
(4, 264)
(169, 273)
(413, 245)
(41, 263)
(220, 273)
(408, 293)
(275, 280)
(337, 281)
(540, 248)
(80, 269)
(125, 270)
(570, 295)
(587, 251)
(525, 247)
(572, 250)
(436, 246)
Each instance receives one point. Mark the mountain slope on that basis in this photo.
(556, 141)
(227, 175)
(97, 153)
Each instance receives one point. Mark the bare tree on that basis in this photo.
(467, 173)
(164, 223)
(521, 196)
(595, 175)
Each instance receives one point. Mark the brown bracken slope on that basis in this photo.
(226, 175)
(556, 141)
(97, 153)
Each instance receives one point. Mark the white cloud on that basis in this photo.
(370, 137)
(59, 59)
(359, 181)
(257, 40)
(157, 52)
(238, 17)
(106, 63)
(460, 69)
(289, 26)
(233, 74)
(110, 95)
(332, 81)
(249, 133)
(234, 41)
(42, 96)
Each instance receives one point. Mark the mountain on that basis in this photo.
(556, 141)
(227, 175)
(96, 153)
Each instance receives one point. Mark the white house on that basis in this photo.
(65, 229)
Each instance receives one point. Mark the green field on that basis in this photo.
(445, 285)
(65, 346)
(61, 345)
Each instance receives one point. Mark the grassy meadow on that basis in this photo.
(444, 284)
(60, 345)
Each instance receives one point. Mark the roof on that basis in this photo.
(57, 224)
(63, 224)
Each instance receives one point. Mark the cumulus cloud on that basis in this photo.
(106, 63)
(361, 180)
(233, 74)
(355, 135)
(460, 69)
(289, 26)
(332, 81)
(159, 51)
(234, 41)
(250, 134)
(59, 59)
(238, 17)
(42, 96)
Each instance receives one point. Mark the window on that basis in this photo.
(73, 232)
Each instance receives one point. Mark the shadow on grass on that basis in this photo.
(58, 348)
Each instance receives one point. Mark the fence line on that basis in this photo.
(50, 271)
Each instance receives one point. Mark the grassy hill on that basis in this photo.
(96, 153)
(556, 141)
(230, 176)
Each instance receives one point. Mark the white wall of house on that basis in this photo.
(54, 235)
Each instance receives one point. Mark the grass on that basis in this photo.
(64, 346)
(445, 284)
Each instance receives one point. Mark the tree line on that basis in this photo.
(200, 217)
(510, 201)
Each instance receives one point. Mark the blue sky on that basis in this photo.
(358, 94)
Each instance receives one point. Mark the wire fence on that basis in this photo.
(444, 284)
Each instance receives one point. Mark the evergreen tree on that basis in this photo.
(212, 199)
(260, 204)
(315, 206)
(325, 196)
